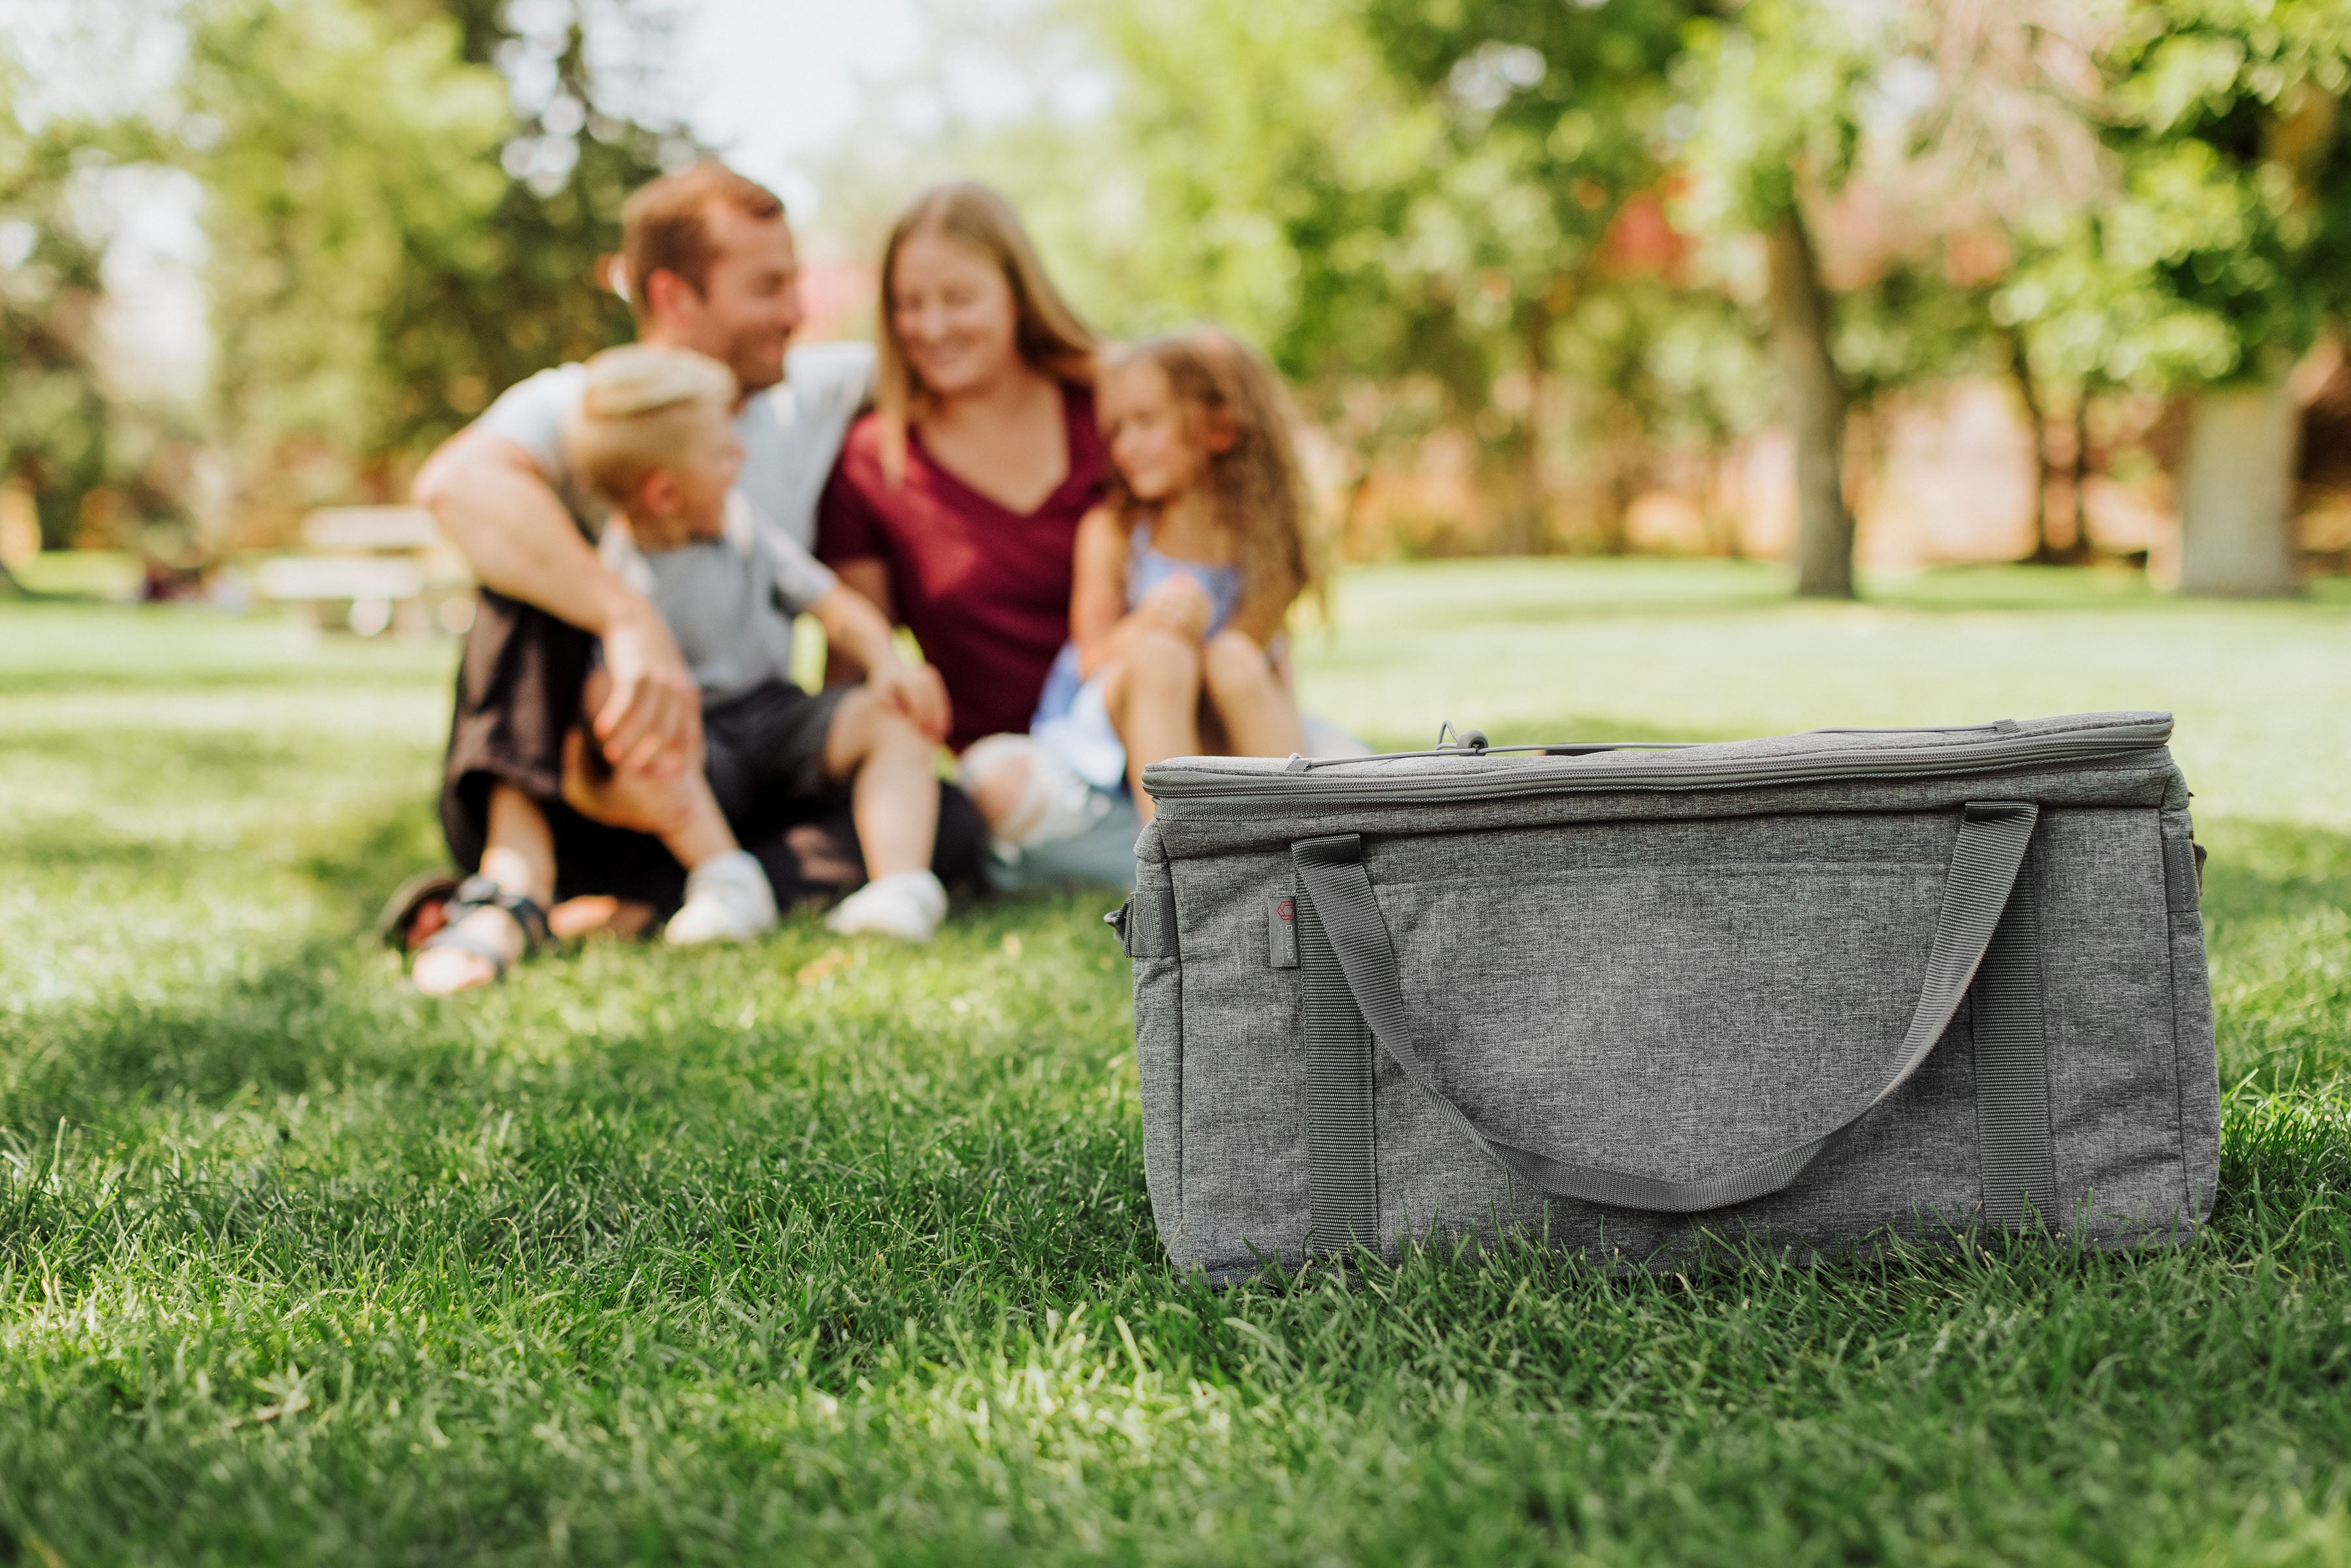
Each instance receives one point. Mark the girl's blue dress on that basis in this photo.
(1071, 721)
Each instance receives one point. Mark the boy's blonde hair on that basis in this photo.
(1256, 479)
(641, 413)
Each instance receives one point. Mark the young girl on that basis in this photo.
(1182, 582)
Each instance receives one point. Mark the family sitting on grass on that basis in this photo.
(1094, 549)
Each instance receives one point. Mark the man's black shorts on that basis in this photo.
(519, 694)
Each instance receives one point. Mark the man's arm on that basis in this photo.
(490, 499)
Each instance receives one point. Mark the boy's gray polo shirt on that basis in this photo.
(792, 433)
(729, 601)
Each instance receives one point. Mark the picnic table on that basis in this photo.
(382, 567)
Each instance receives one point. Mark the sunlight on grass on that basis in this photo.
(830, 1251)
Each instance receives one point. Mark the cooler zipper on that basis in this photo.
(1273, 790)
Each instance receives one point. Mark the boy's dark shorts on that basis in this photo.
(519, 685)
(765, 750)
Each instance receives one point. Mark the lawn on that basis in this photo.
(820, 1253)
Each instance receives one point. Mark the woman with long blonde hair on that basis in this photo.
(956, 504)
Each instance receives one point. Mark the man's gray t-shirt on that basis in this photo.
(792, 433)
(730, 601)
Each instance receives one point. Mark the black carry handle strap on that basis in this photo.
(1984, 862)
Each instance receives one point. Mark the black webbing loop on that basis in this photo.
(1985, 857)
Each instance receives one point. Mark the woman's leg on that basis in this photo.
(894, 783)
(1260, 719)
(1152, 693)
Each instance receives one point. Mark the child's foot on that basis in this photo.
(728, 899)
(476, 951)
(488, 928)
(908, 906)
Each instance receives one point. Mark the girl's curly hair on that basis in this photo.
(1257, 483)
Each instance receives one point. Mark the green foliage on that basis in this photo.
(2226, 248)
(404, 201)
(1558, 117)
(1776, 95)
(1411, 208)
(582, 140)
(65, 433)
(54, 411)
(1792, 105)
(652, 1256)
(349, 166)
(1279, 168)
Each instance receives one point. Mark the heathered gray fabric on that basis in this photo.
(2192, 1044)
(1672, 983)
(2106, 959)
(1159, 1059)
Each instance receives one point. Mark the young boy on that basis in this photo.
(652, 434)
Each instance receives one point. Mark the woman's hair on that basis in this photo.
(1047, 332)
(640, 410)
(1256, 479)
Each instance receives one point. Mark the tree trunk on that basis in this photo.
(1526, 529)
(1816, 409)
(2036, 418)
(2080, 473)
(2236, 489)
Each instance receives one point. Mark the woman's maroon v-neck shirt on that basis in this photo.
(985, 589)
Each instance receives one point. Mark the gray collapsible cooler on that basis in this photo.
(1820, 989)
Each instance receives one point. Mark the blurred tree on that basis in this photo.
(1776, 100)
(1414, 213)
(55, 412)
(2222, 254)
(405, 203)
(83, 451)
(349, 165)
(1888, 155)
(1568, 107)
(1267, 169)
(592, 123)
(1271, 167)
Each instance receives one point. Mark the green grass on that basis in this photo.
(780, 1256)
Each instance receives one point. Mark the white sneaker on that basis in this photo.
(908, 906)
(728, 899)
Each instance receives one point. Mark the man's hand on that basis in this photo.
(651, 722)
(1178, 604)
(917, 692)
(633, 797)
(490, 499)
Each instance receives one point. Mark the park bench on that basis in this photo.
(385, 567)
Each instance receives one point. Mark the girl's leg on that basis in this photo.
(1154, 697)
(1260, 717)
(894, 788)
(519, 854)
